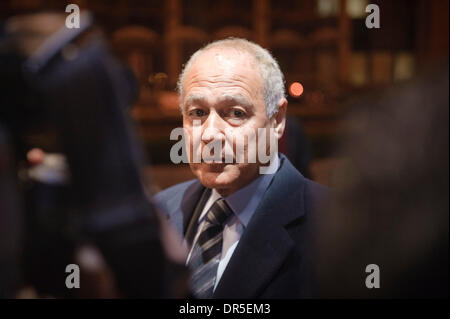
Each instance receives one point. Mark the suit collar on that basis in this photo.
(181, 211)
(245, 201)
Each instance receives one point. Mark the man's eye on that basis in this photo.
(238, 113)
(197, 113)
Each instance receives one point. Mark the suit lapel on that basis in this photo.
(191, 228)
(265, 244)
(182, 212)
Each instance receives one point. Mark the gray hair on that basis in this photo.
(270, 71)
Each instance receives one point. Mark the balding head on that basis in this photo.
(272, 79)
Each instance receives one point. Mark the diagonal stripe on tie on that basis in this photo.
(211, 243)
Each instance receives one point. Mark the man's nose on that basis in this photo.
(213, 128)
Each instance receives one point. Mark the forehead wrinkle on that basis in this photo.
(237, 82)
(224, 98)
(235, 98)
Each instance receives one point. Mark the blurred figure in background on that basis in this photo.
(391, 204)
(86, 202)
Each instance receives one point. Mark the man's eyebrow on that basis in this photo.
(237, 99)
(194, 99)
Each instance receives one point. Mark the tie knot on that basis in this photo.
(219, 212)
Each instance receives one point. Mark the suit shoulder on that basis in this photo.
(312, 192)
(317, 188)
(165, 198)
(172, 191)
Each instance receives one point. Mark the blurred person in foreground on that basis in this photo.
(391, 206)
(84, 199)
(246, 230)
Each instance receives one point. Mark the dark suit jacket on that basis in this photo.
(272, 258)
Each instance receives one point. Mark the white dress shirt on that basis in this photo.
(243, 203)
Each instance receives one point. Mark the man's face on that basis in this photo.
(223, 96)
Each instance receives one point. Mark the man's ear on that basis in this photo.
(279, 118)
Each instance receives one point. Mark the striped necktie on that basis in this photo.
(207, 250)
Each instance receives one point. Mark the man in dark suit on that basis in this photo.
(246, 225)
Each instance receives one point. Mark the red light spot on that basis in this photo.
(296, 89)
